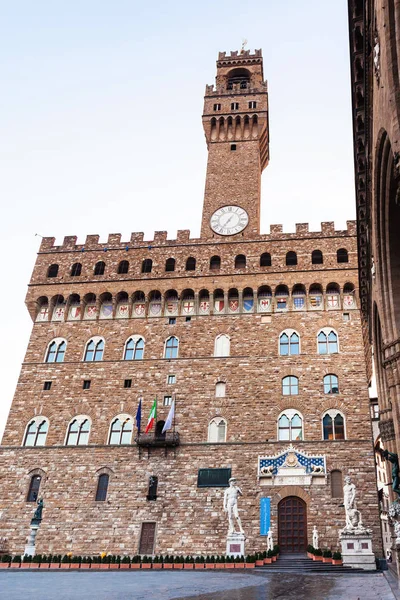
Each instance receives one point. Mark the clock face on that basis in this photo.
(229, 220)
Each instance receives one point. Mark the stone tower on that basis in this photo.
(235, 122)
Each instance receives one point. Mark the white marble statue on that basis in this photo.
(270, 540)
(315, 537)
(231, 505)
(353, 516)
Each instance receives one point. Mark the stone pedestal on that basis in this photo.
(357, 549)
(235, 544)
(30, 548)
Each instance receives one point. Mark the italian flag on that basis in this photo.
(152, 417)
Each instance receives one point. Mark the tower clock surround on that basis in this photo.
(229, 220)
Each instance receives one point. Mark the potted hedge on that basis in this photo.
(146, 562)
(136, 562)
(125, 562)
(157, 562)
(199, 562)
(75, 562)
(220, 562)
(327, 556)
(96, 561)
(310, 551)
(114, 563)
(268, 558)
(86, 562)
(55, 561)
(26, 561)
(105, 561)
(178, 564)
(239, 562)
(35, 562)
(250, 561)
(337, 558)
(168, 562)
(276, 550)
(189, 562)
(5, 560)
(16, 562)
(210, 562)
(259, 559)
(46, 560)
(317, 554)
(65, 562)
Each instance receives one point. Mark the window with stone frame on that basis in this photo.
(78, 432)
(56, 351)
(289, 343)
(152, 489)
(222, 346)
(336, 483)
(220, 389)
(99, 268)
(147, 265)
(265, 260)
(171, 347)
(170, 264)
(290, 386)
(102, 487)
(217, 430)
(291, 259)
(94, 350)
(123, 267)
(76, 270)
(52, 271)
(33, 490)
(121, 430)
(327, 341)
(190, 264)
(342, 255)
(317, 258)
(36, 432)
(333, 425)
(331, 384)
(290, 426)
(134, 348)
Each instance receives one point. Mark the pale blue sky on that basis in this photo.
(100, 124)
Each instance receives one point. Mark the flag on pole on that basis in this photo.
(152, 417)
(170, 418)
(139, 414)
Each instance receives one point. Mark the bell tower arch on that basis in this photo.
(235, 121)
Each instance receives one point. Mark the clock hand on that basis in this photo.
(228, 221)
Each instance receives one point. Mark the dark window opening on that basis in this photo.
(213, 477)
(152, 492)
(336, 484)
(190, 264)
(159, 430)
(76, 270)
(34, 486)
(47, 385)
(123, 267)
(240, 261)
(171, 321)
(233, 147)
(170, 264)
(127, 383)
(99, 268)
(291, 259)
(52, 271)
(252, 104)
(265, 260)
(235, 106)
(188, 319)
(102, 487)
(342, 255)
(215, 263)
(147, 265)
(86, 384)
(217, 107)
(317, 257)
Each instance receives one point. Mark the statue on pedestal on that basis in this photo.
(394, 459)
(315, 540)
(231, 506)
(37, 515)
(353, 516)
(270, 540)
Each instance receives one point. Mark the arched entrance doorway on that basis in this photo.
(292, 524)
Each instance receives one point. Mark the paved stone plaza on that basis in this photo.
(192, 586)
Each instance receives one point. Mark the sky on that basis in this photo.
(100, 125)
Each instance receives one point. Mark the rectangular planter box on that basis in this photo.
(104, 565)
(220, 565)
(239, 565)
(267, 561)
(15, 565)
(54, 565)
(229, 565)
(260, 563)
(168, 565)
(135, 565)
(199, 565)
(74, 566)
(337, 562)
(124, 566)
(34, 565)
(210, 566)
(146, 565)
(114, 566)
(317, 558)
(188, 565)
(157, 566)
(250, 565)
(65, 565)
(4, 565)
(85, 565)
(326, 560)
(178, 566)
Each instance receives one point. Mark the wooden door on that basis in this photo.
(292, 524)
(147, 537)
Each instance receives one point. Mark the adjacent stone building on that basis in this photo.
(256, 339)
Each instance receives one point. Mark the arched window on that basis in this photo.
(99, 268)
(102, 487)
(240, 261)
(121, 430)
(220, 388)
(342, 255)
(56, 351)
(333, 425)
(217, 430)
(265, 260)
(331, 384)
(289, 343)
(290, 385)
(317, 257)
(152, 490)
(290, 426)
(291, 259)
(33, 491)
(123, 267)
(134, 348)
(94, 350)
(52, 271)
(222, 345)
(147, 265)
(336, 484)
(78, 432)
(171, 347)
(76, 269)
(36, 432)
(190, 264)
(215, 263)
(327, 342)
(170, 264)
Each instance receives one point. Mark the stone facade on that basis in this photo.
(251, 302)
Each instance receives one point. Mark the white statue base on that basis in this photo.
(235, 544)
(357, 549)
(30, 548)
